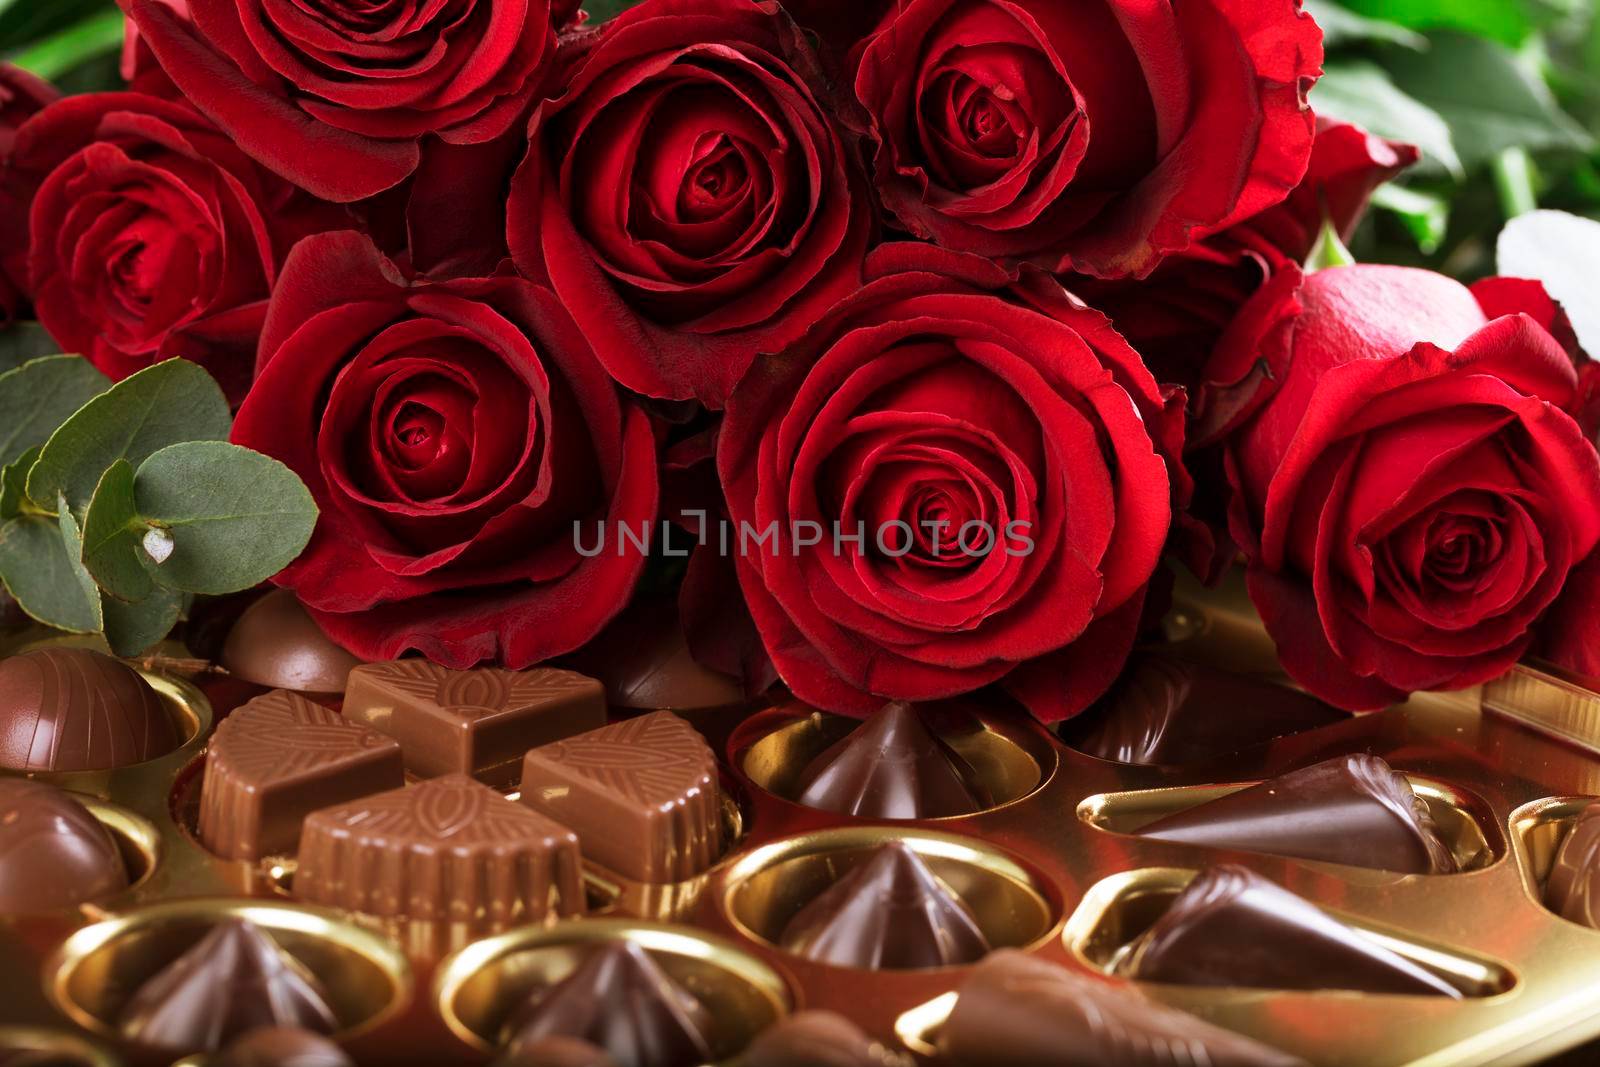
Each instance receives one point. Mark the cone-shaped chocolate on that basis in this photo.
(889, 914)
(1354, 809)
(281, 1046)
(1016, 1011)
(891, 767)
(557, 1052)
(621, 1001)
(1231, 927)
(1573, 889)
(818, 1039)
(234, 980)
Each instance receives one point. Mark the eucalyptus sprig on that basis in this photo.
(119, 503)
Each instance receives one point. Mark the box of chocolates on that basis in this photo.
(297, 859)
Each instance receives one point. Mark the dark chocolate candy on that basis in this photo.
(1017, 1011)
(71, 709)
(1165, 712)
(33, 1057)
(53, 853)
(645, 665)
(891, 913)
(281, 1046)
(1573, 889)
(557, 1052)
(620, 1000)
(1231, 927)
(818, 1039)
(276, 644)
(234, 980)
(1352, 809)
(891, 767)
(476, 722)
(642, 795)
(276, 760)
(447, 849)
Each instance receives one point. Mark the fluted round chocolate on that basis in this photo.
(1573, 889)
(277, 644)
(53, 853)
(72, 709)
(281, 1046)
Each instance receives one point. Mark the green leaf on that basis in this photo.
(1503, 20)
(43, 578)
(112, 532)
(1361, 92)
(14, 484)
(1563, 252)
(38, 397)
(67, 49)
(23, 342)
(1489, 101)
(162, 405)
(132, 628)
(1341, 26)
(1425, 215)
(236, 517)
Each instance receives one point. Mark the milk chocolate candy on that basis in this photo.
(53, 853)
(1165, 712)
(446, 849)
(1017, 1011)
(621, 1001)
(276, 644)
(476, 722)
(71, 709)
(1572, 890)
(281, 1046)
(1231, 927)
(891, 767)
(889, 913)
(279, 758)
(818, 1039)
(1354, 810)
(557, 1052)
(234, 980)
(642, 795)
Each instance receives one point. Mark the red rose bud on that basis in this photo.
(452, 433)
(1088, 137)
(1416, 492)
(336, 98)
(949, 393)
(687, 196)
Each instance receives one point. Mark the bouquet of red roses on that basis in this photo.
(903, 341)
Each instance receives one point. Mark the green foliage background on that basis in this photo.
(1502, 95)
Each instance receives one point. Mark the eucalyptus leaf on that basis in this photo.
(39, 396)
(1503, 20)
(132, 628)
(1359, 91)
(1341, 26)
(112, 532)
(236, 517)
(96, 35)
(1425, 215)
(42, 577)
(14, 484)
(23, 342)
(162, 405)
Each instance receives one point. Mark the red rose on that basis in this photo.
(1092, 137)
(1417, 490)
(686, 195)
(21, 97)
(335, 97)
(948, 391)
(152, 235)
(452, 434)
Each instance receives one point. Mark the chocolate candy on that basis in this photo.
(279, 758)
(1352, 809)
(1016, 1011)
(477, 722)
(818, 1039)
(71, 709)
(620, 1000)
(1573, 889)
(53, 853)
(645, 665)
(447, 849)
(276, 644)
(1231, 927)
(1165, 712)
(891, 767)
(234, 980)
(641, 794)
(281, 1046)
(890, 913)
(557, 1052)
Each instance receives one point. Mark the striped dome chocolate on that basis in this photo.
(72, 709)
